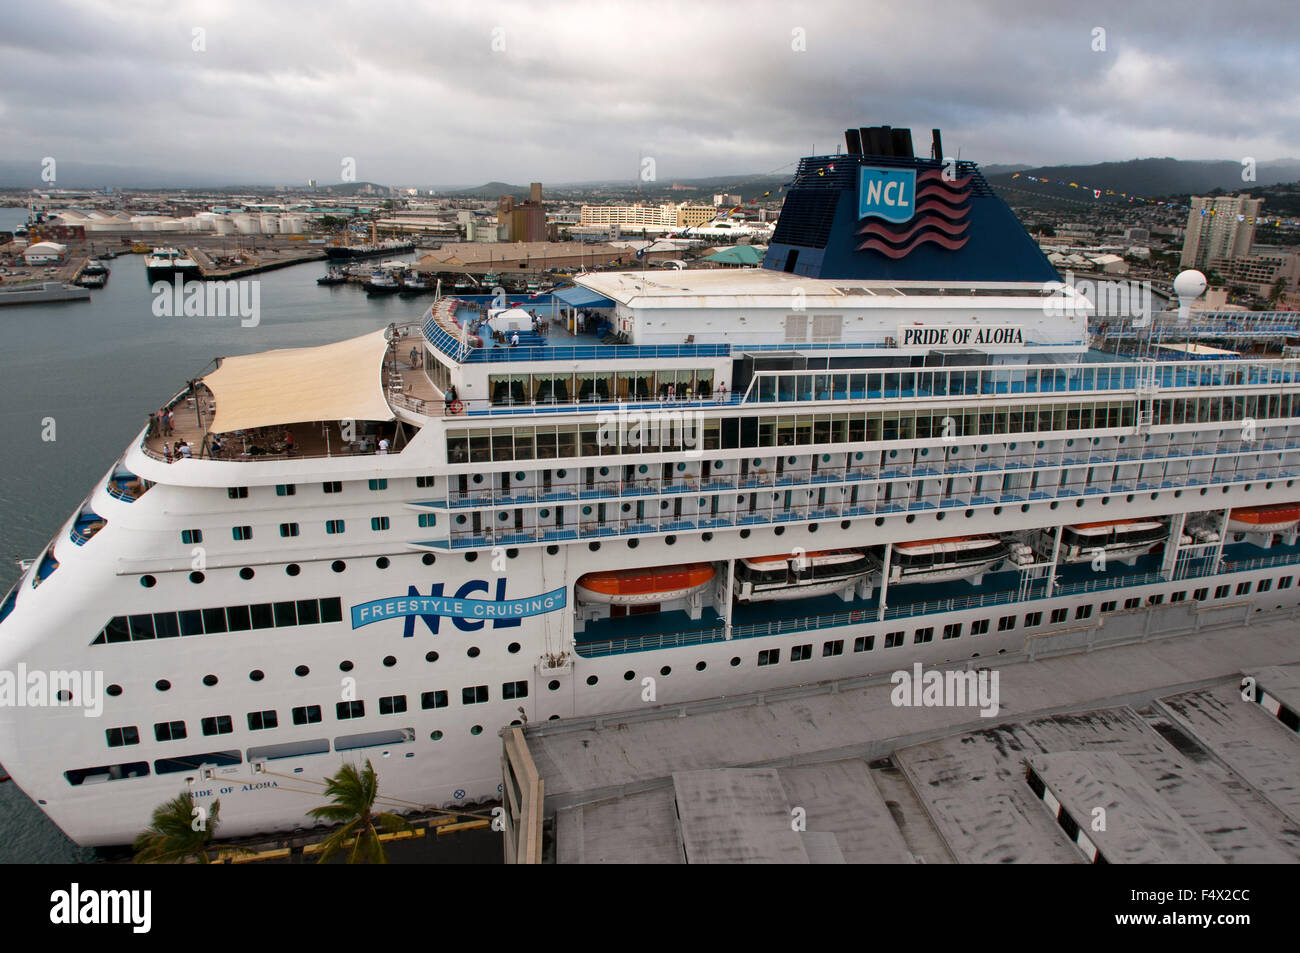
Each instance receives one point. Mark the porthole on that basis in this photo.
(594, 547)
(338, 565)
(744, 534)
(519, 477)
(381, 562)
(544, 514)
(503, 516)
(705, 537)
(552, 550)
(301, 671)
(554, 718)
(663, 504)
(791, 460)
(641, 469)
(779, 531)
(345, 666)
(292, 569)
(115, 690)
(1105, 501)
(592, 679)
(911, 517)
(472, 651)
(633, 543)
(629, 675)
(845, 524)
(940, 515)
(880, 521)
(435, 735)
(431, 656)
(758, 462)
(627, 507)
(701, 666)
(666, 671)
(997, 511)
(1079, 504)
(1177, 494)
(210, 680)
(970, 513)
(460, 520)
(470, 557)
(812, 527)
(148, 581)
(478, 478)
(256, 675)
(1054, 505)
(476, 730)
(561, 473)
(670, 539)
(1024, 508)
(604, 471)
(246, 573)
(513, 648)
(1205, 490)
(553, 685)
(197, 577)
(162, 685)
(389, 661)
(1154, 496)
(1129, 498)
(735, 660)
(586, 511)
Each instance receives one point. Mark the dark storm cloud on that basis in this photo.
(418, 94)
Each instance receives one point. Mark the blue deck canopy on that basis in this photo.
(576, 297)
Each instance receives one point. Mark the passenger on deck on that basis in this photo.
(514, 339)
(721, 392)
(449, 397)
(216, 446)
(383, 445)
(184, 450)
(167, 452)
(288, 441)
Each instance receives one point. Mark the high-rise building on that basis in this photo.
(525, 222)
(1221, 227)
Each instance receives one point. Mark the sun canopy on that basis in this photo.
(340, 381)
(578, 297)
(737, 255)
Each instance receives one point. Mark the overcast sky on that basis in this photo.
(465, 92)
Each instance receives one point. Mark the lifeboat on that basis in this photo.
(790, 577)
(945, 560)
(639, 587)
(1278, 518)
(1124, 540)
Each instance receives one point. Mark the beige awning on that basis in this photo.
(340, 381)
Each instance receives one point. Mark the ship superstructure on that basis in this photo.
(888, 446)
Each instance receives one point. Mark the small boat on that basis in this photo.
(381, 283)
(1124, 540)
(414, 285)
(92, 280)
(163, 263)
(640, 587)
(335, 276)
(1276, 518)
(945, 560)
(800, 577)
(95, 267)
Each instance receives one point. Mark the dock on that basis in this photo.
(1141, 752)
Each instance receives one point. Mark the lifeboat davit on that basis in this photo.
(1277, 518)
(639, 587)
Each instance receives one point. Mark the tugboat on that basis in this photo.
(381, 283)
(162, 263)
(335, 276)
(414, 284)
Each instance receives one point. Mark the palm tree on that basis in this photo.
(354, 792)
(172, 837)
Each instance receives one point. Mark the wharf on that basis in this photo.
(267, 259)
(1155, 732)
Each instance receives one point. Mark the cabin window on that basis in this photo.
(241, 533)
(894, 639)
(334, 526)
(1264, 586)
(799, 653)
(952, 631)
(1006, 623)
(121, 737)
(1059, 615)
(217, 725)
(346, 710)
(1221, 592)
(191, 536)
(437, 699)
(979, 626)
(1033, 619)
(923, 635)
(306, 715)
(288, 530)
(832, 648)
(769, 656)
(864, 643)
(237, 492)
(514, 690)
(1083, 612)
(1283, 583)
(392, 704)
(474, 695)
(285, 489)
(169, 731)
(261, 720)
(1243, 589)
(1110, 606)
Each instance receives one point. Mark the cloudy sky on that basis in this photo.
(454, 92)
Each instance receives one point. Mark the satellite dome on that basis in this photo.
(1190, 284)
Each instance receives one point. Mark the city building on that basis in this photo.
(525, 222)
(1220, 227)
(42, 253)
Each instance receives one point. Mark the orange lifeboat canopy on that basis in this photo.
(642, 586)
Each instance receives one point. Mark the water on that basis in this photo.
(93, 370)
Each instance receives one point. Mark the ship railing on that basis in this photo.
(1036, 591)
(484, 406)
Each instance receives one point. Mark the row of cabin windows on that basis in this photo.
(311, 714)
(329, 486)
(726, 433)
(1007, 623)
(191, 537)
(262, 615)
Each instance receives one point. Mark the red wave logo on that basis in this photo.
(940, 219)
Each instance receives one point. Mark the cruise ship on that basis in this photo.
(888, 445)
